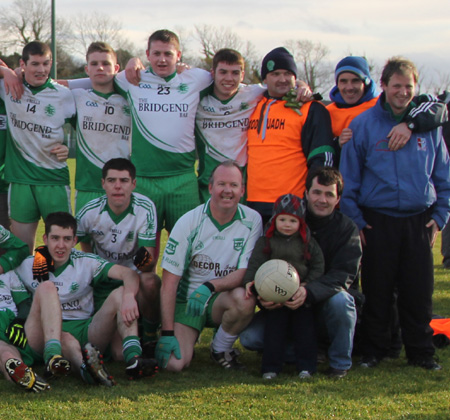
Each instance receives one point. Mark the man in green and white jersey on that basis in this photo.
(35, 153)
(103, 123)
(4, 214)
(163, 107)
(75, 274)
(203, 266)
(222, 116)
(121, 228)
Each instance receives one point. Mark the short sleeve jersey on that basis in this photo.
(117, 238)
(221, 126)
(15, 250)
(12, 292)
(74, 281)
(199, 249)
(163, 115)
(35, 126)
(103, 133)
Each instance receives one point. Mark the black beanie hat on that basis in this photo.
(278, 59)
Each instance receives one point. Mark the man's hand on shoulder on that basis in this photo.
(13, 82)
(398, 136)
(133, 70)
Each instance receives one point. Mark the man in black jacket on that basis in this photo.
(339, 240)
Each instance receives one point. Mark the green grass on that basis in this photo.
(391, 391)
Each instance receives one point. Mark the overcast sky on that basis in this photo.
(378, 29)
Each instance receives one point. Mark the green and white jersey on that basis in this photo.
(163, 114)
(74, 280)
(12, 292)
(16, 250)
(35, 126)
(199, 249)
(221, 126)
(117, 238)
(103, 133)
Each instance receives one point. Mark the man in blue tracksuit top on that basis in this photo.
(399, 200)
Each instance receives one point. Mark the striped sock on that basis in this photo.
(52, 348)
(131, 347)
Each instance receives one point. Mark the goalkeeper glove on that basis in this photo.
(43, 264)
(167, 344)
(199, 299)
(16, 333)
(143, 260)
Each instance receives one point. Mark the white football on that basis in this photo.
(276, 281)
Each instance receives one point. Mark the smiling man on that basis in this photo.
(284, 143)
(120, 227)
(203, 267)
(339, 241)
(35, 155)
(399, 200)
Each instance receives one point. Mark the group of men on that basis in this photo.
(397, 193)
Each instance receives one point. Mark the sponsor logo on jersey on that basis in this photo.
(241, 123)
(171, 246)
(29, 126)
(91, 103)
(145, 107)
(71, 306)
(238, 244)
(97, 232)
(272, 124)
(209, 109)
(199, 246)
(145, 85)
(218, 238)
(130, 236)
(126, 110)
(108, 128)
(244, 106)
(202, 265)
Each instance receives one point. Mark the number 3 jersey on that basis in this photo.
(103, 132)
(199, 249)
(163, 114)
(35, 127)
(117, 238)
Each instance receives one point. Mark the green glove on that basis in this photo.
(16, 333)
(199, 299)
(167, 344)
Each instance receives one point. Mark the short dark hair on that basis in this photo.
(102, 47)
(119, 164)
(61, 219)
(229, 56)
(326, 175)
(227, 164)
(166, 36)
(398, 65)
(35, 48)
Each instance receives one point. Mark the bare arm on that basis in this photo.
(229, 282)
(86, 247)
(168, 296)
(130, 278)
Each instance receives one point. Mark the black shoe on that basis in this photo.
(227, 359)
(139, 367)
(428, 363)
(336, 373)
(369, 362)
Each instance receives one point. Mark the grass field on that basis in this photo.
(391, 391)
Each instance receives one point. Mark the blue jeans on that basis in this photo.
(336, 319)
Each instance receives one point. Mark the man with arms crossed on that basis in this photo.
(203, 266)
(338, 238)
(35, 153)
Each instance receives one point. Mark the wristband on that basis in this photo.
(210, 286)
(167, 333)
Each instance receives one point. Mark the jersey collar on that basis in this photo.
(237, 216)
(103, 95)
(37, 89)
(59, 270)
(167, 79)
(117, 218)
